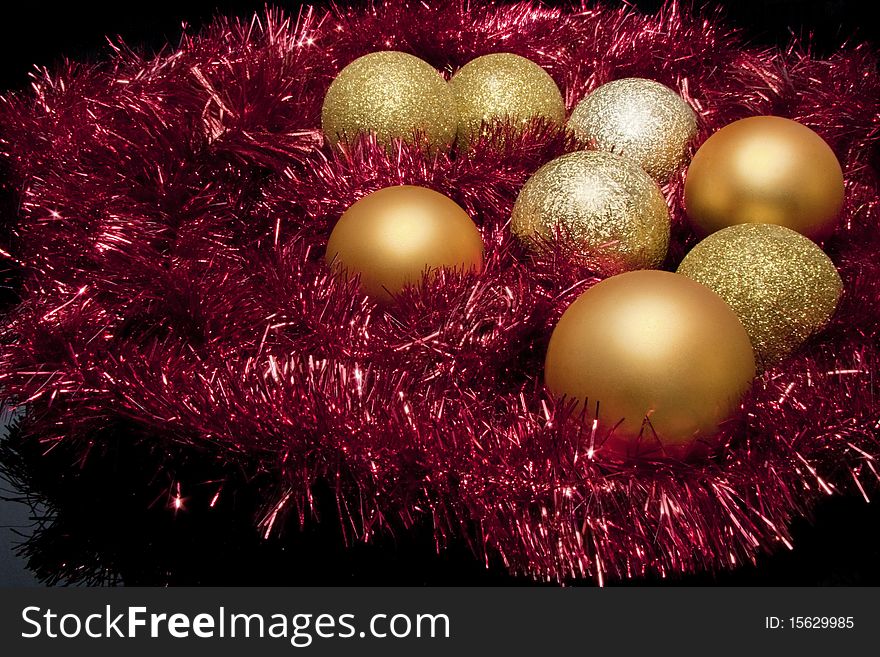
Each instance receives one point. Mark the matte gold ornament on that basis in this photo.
(780, 284)
(765, 170)
(640, 119)
(504, 87)
(601, 201)
(393, 236)
(391, 94)
(660, 360)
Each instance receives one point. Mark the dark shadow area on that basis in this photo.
(114, 520)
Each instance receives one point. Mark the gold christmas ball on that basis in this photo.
(640, 119)
(504, 87)
(601, 201)
(660, 360)
(393, 236)
(780, 284)
(391, 94)
(765, 170)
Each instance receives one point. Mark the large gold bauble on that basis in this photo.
(660, 360)
(395, 235)
(643, 120)
(504, 87)
(391, 94)
(765, 170)
(781, 285)
(601, 201)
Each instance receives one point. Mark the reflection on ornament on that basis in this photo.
(765, 170)
(392, 237)
(657, 358)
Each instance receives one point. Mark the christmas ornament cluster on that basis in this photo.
(659, 363)
(591, 290)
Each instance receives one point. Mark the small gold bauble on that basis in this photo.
(765, 170)
(659, 360)
(599, 200)
(395, 235)
(640, 119)
(391, 94)
(504, 87)
(780, 284)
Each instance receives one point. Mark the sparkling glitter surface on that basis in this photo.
(392, 94)
(641, 119)
(601, 201)
(782, 286)
(504, 87)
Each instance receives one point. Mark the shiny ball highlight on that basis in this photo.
(658, 359)
(394, 236)
(765, 170)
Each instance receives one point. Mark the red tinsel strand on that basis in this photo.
(174, 212)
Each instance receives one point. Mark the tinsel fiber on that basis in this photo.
(173, 213)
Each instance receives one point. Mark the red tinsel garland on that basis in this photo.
(173, 215)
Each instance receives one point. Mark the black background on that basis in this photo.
(43, 32)
(108, 528)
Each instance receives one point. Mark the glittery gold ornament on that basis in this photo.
(780, 284)
(392, 94)
(765, 170)
(394, 235)
(601, 201)
(504, 87)
(640, 119)
(658, 359)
